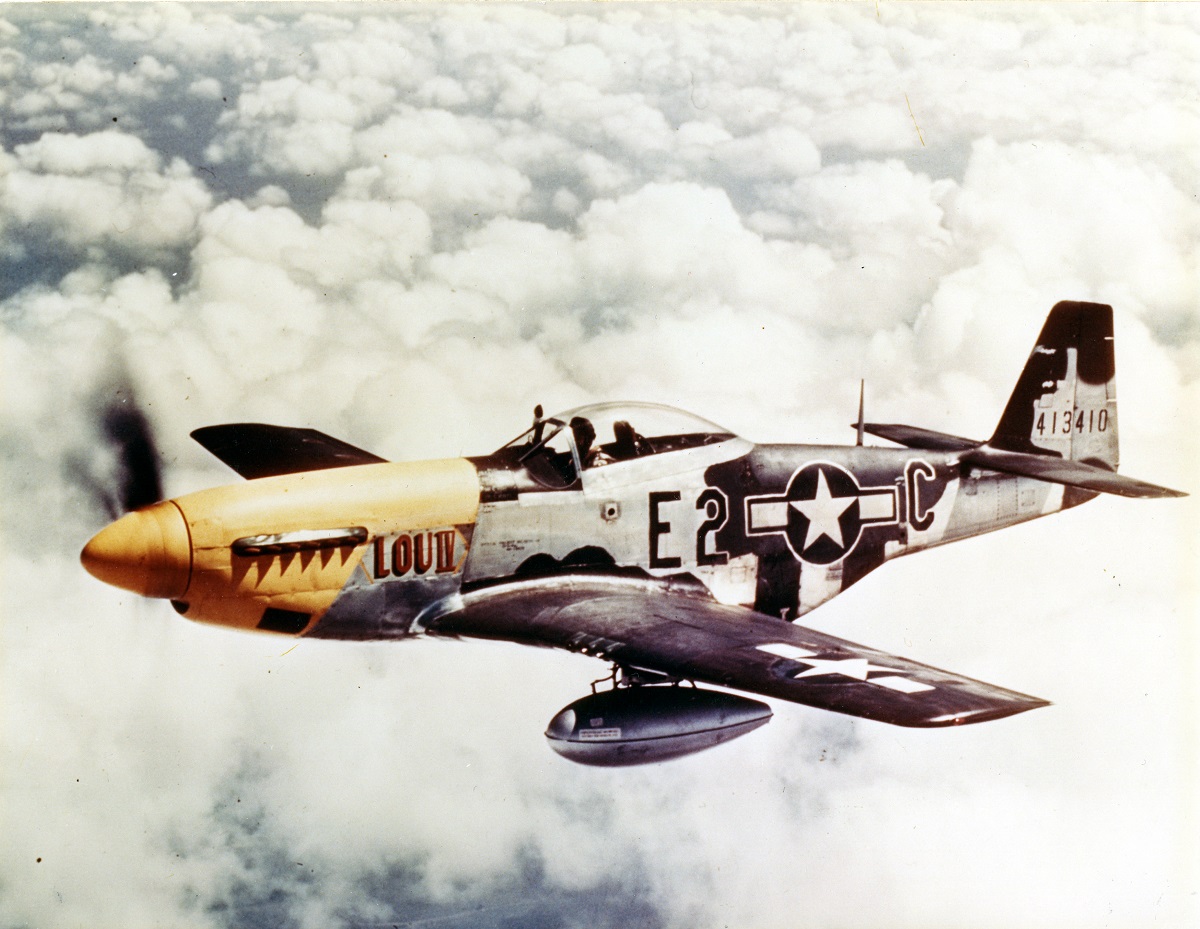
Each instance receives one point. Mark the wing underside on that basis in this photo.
(645, 623)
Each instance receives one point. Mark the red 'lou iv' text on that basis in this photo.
(416, 552)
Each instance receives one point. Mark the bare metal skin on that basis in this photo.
(641, 535)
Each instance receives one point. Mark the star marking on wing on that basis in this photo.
(857, 668)
(823, 513)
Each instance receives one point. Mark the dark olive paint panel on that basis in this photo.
(286, 621)
(774, 471)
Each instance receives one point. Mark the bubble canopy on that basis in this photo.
(602, 434)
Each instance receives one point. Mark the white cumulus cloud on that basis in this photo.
(406, 225)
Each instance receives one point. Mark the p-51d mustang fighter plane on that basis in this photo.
(640, 535)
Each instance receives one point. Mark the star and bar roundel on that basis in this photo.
(822, 513)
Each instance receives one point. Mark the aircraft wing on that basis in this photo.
(256, 450)
(654, 625)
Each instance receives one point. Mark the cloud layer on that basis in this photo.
(407, 225)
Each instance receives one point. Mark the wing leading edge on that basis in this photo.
(646, 623)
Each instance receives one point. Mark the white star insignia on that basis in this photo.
(857, 668)
(823, 513)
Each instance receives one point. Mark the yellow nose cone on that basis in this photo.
(147, 551)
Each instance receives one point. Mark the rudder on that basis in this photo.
(1065, 402)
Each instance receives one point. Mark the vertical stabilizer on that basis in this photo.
(1065, 402)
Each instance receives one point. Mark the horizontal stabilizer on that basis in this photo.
(1064, 471)
(916, 437)
(256, 450)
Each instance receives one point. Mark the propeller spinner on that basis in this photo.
(147, 550)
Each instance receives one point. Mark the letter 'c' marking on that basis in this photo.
(917, 472)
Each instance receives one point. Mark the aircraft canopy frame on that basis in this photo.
(558, 448)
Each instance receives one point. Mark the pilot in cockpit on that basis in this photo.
(623, 447)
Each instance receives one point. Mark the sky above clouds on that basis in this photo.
(405, 225)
